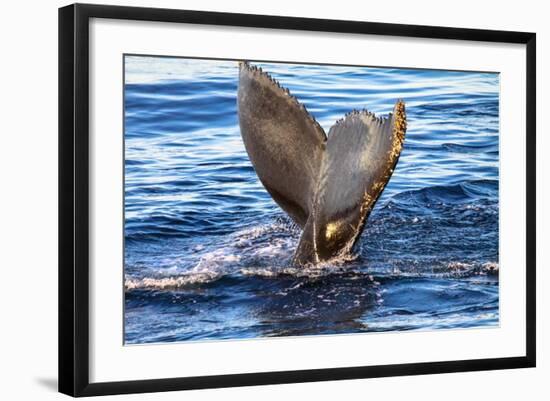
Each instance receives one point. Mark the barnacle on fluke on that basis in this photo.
(327, 185)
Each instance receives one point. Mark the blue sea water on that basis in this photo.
(207, 251)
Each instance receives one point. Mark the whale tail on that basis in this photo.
(328, 186)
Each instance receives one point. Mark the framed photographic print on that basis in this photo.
(250, 199)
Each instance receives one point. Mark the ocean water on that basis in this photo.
(207, 251)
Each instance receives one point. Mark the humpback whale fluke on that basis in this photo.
(328, 186)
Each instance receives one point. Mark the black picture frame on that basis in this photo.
(74, 198)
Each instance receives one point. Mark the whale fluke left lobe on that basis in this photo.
(284, 143)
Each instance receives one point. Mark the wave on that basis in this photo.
(332, 269)
(462, 192)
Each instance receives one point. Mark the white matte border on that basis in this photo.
(111, 361)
